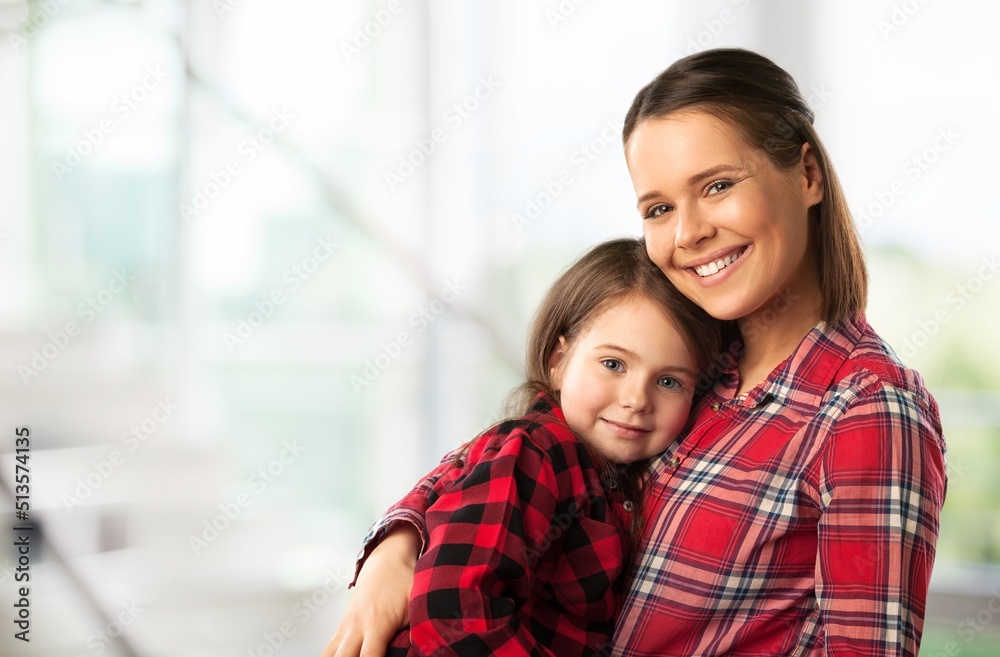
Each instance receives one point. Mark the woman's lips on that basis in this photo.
(715, 266)
(709, 279)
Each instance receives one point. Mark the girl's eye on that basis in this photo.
(656, 211)
(669, 382)
(718, 187)
(613, 364)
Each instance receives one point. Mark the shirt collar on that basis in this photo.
(803, 379)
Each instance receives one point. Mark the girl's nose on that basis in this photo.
(634, 396)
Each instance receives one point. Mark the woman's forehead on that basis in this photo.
(683, 145)
(692, 129)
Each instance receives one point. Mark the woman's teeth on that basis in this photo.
(718, 265)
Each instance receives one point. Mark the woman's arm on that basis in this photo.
(881, 484)
(379, 606)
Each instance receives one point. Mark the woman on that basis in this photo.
(799, 513)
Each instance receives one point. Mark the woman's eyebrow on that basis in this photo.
(647, 196)
(714, 171)
(698, 177)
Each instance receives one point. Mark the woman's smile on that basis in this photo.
(715, 265)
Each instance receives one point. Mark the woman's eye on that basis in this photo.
(613, 364)
(656, 211)
(718, 186)
(669, 382)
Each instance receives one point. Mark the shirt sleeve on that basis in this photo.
(487, 531)
(411, 508)
(882, 485)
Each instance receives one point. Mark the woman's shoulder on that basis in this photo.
(872, 379)
(872, 363)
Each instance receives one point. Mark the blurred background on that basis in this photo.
(263, 262)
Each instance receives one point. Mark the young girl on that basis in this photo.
(530, 525)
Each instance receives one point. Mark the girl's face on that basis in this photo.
(726, 226)
(625, 383)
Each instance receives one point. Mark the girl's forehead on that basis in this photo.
(619, 312)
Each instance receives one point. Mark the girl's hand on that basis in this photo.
(380, 604)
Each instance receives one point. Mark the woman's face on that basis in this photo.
(726, 226)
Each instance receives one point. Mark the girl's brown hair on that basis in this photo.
(762, 102)
(608, 273)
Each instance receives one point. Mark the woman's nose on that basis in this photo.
(691, 228)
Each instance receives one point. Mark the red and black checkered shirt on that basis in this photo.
(525, 548)
(800, 518)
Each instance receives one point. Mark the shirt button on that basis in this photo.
(674, 461)
(716, 407)
(613, 485)
(628, 506)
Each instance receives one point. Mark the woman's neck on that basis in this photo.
(772, 332)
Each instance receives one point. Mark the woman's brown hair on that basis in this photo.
(763, 103)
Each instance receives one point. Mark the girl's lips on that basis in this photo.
(625, 430)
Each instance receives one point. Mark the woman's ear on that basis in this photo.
(555, 360)
(813, 185)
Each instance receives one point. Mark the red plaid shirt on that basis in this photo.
(525, 552)
(798, 519)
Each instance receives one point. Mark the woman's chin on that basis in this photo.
(724, 309)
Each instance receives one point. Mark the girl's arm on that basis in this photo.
(881, 485)
(409, 511)
(488, 532)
